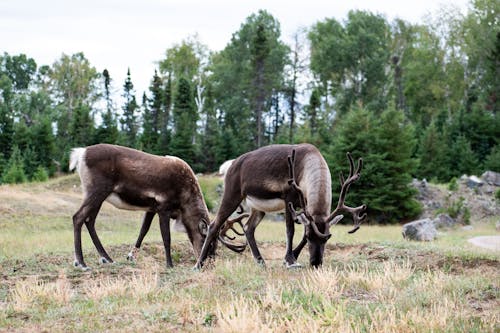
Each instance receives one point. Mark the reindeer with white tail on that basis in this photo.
(133, 180)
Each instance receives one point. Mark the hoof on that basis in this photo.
(76, 264)
(103, 261)
(132, 255)
(261, 263)
(295, 265)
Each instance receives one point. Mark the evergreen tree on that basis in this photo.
(6, 120)
(385, 143)
(463, 160)
(14, 169)
(433, 155)
(149, 137)
(211, 140)
(43, 143)
(493, 160)
(185, 118)
(108, 130)
(164, 140)
(81, 127)
(129, 119)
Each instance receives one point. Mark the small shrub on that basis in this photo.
(497, 194)
(14, 174)
(14, 170)
(466, 216)
(40, 175)
(455, 207)
(453, 184)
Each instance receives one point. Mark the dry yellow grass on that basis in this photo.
(370, 282)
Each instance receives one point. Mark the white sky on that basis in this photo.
(117, 34)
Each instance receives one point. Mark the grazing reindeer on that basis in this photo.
(133, 180)
(268, 184)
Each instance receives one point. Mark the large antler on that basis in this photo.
(226, 240)
(303, 216)
(358, 213)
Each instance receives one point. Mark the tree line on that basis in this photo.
(414, 100)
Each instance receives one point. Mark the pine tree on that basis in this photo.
(164, 140)
(433, 155)
(108, 130)
(43, 144)
(492, 162)
(463, 160)
(6, 119)
(149, 137)
(129, 119)
(386, 144)
(81, 127)
(184, 123)
(14, 169)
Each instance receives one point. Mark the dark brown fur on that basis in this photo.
(263, 174)
(158, 185)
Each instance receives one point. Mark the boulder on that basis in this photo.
(444, 221)
(474, 182)
(491, 177)
(420, 230)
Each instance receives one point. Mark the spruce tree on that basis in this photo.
(386, 144)
(433, 155)
(149, 137)
(129, 119)
(6, 119)
(14, 170)
(108, 130)
(463, 160)
(185, 118)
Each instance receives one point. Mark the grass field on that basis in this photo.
(372, 281)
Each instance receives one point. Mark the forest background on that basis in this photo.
(413, 100)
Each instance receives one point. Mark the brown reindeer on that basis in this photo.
(133, 180)
(276, 177)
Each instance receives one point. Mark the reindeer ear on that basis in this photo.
(336, 219)
(203, 227)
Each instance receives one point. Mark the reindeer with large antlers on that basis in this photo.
(284, 177)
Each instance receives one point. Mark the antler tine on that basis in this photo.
(351, 164)
(234, 247)
(357, 213)
(228, 225)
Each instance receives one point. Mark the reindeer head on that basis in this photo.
(317, 228)
(203, 229)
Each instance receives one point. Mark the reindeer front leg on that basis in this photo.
(290, 260)
(165, 234)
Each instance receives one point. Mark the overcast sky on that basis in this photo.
(117, 34)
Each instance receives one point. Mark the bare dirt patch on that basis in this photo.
(487, 242)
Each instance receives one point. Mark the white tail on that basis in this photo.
(75, 158)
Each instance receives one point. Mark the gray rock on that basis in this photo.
(491, 177)
(444, 221)
(420, 230)
(467, 228)
(474, 182)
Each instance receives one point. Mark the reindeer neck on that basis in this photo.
(315, 182)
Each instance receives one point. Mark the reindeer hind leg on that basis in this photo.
(87, 215)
